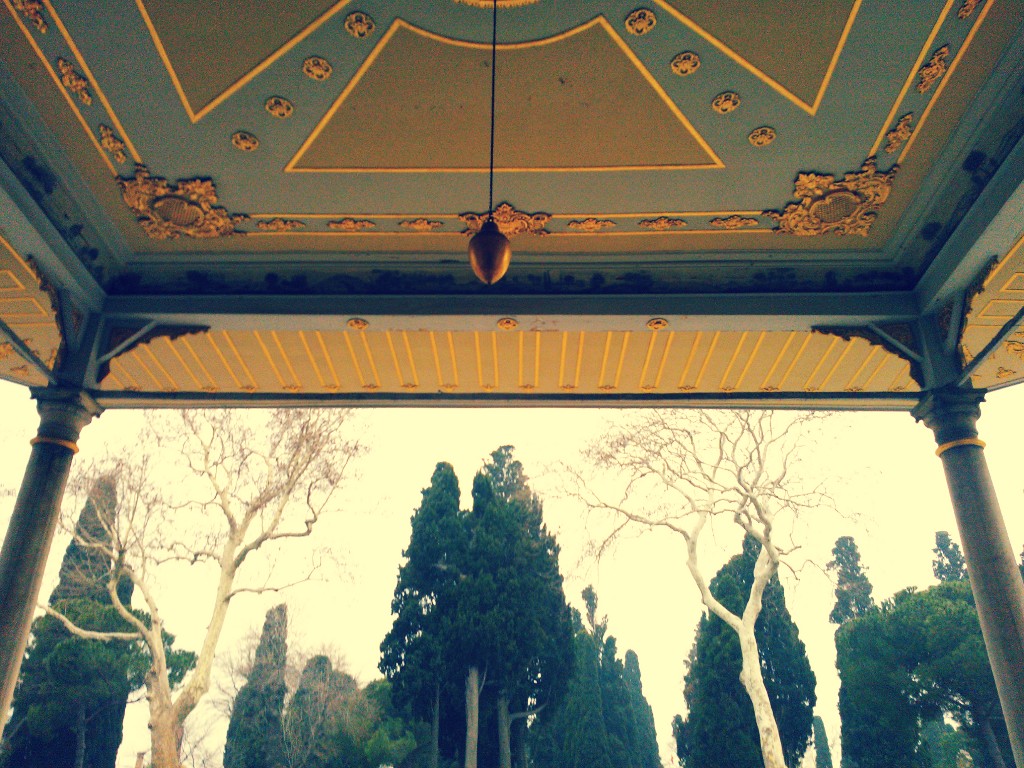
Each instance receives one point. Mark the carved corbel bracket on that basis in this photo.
(895, 338)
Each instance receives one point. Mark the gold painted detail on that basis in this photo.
(1016, 346)
(113, 145)
(501, 3)
(957, 443)
(359, 25)
(167, 211)
(900, 133)
(591, 225)
(279, 106)
(762, 137)
(350, 225)
(244, 141)
(1005, 373)
(74, 82)
(967, 9)
(317, 68)
(657, 323)
(662, 223)
(734, 222)
(685, 63)
(33, 11)
(420, 225)
(847, 207)
(358, 324)
(510, 221)
(6, 350)
(641, 21)
(933, 70)
(280, 225)
(726, 102)
(508, 323)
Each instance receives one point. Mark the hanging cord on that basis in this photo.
(494, 57)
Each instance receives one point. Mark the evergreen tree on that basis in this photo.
(316, 732)
(853, 590)
(948, 564)
(69, 705)
(646, 755)
(720, 728)
(255, 735)
(822, 752)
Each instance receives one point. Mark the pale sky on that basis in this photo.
(880, 467)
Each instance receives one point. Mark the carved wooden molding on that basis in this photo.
(900, 133)
(33, 11)
(847, 207)
(591, 225)
(510, 221)
(895, 338)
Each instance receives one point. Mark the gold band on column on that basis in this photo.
(55, 441)
(956, 443)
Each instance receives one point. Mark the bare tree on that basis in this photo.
(683, 470)
(251, 482)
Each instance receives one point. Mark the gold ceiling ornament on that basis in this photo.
(657, 323)
(900, 133)
(508, 323)
(280, 225)
(734, 222)
(967, 9)
(33, 11)
(244, 141)
(1015, 346)
(359, 24)
(113, 145)
(591, 224)
(501, 3)
(279, 107)
(761, 137)
(685, 63)
(317, 68)
(847, 207)
(74, 82)
(6, 350)
(167, 211)
(510, 221)
(350, 225)
(726, 102)
(1005, 373)
(933, 70)
(420, 225)
(663, 223)
(358, 324)
(641, 21)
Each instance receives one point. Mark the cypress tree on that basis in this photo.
(949, 564)
(69, 706)
(255, 736)
(822, 753)
(646, 755)
(853, 590)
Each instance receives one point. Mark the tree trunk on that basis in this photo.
(472, 715)
(164, 728)
(520, 745)
(988, 736)
(753, 683)
(504, 733)
(435, 744)
(80, 737)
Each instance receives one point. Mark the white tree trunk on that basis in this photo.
(753, 684)
(472, 715)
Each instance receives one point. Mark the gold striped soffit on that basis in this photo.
(624, 363)
(30, 333)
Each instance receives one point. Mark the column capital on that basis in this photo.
(951, 413)
(63, 414)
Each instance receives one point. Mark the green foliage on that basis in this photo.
(720, 728)
(604, 719)
(948, 564)
(255, 737)
(71, 688)
(920, 657)
(822, 752)
(853, 590)
(478, 589)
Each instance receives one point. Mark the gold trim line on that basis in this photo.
(54, 441)
(957, 443)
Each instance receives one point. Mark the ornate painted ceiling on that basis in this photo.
(721, 200)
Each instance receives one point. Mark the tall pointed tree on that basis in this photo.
(949, 563)
(69, 706)
(255, 736)
(720, 728)
(853, 590)
(822, 752)
(646, 747)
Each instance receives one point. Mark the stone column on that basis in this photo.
(63, 414)
(952, 414)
